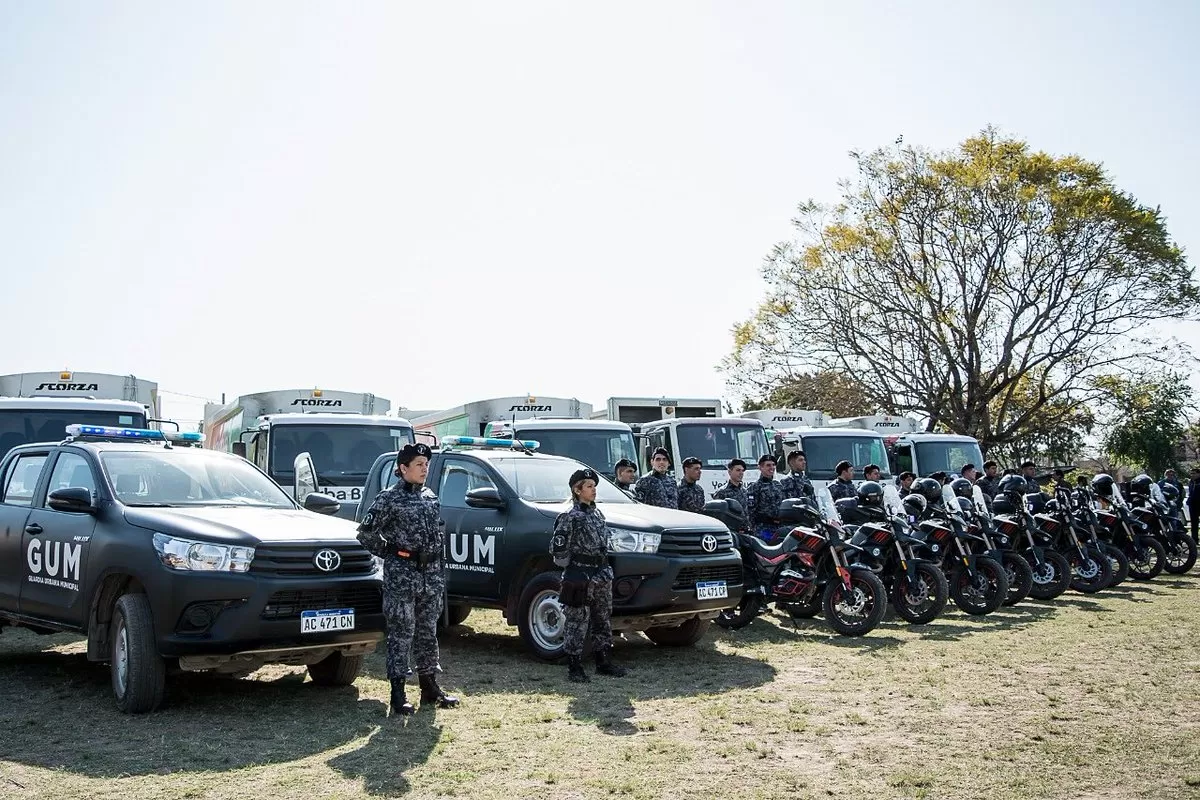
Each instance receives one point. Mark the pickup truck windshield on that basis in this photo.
(538, 480)
(188, 477)
(25, 426)
(824, 453)
(949, 457)
(341, 454)
(717, 444)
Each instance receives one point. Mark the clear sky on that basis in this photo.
(439, 202)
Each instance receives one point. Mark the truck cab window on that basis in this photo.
(458, 478)
(22, 479)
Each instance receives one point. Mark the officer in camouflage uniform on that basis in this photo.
(691, 493)
(404, 528)
(734, 490)
(844, 485)
(579, 545)
(626, 473)
(797, 484)
(656, 487)
(765, 496)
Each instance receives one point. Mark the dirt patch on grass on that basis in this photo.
(1086, 696)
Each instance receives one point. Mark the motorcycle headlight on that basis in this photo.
(186, 554)
(934, 547)
(623, 541)
(1001, 540)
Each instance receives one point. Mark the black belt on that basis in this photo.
(589, 561)
(420, 559)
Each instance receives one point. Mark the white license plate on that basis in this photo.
(329, 619)
(711, 590)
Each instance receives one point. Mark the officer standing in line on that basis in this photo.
(797, 484)
(765, 496)
(905, 482)
(734, 490)
(404, 528)
(579, 545)
(989, 482)
(626, 472)
(871, 472)
(691, 493)
(844, 485)
(656, 488)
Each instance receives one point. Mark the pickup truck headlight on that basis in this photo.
(186, 554)
(622, 541)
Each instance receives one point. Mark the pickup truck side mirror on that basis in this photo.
(485, 497)
(74, 498)
(239, 449)
(321, 503)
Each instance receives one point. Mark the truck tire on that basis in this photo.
(139, 674)
(459, 613)
(335, 670)
(540, 618)
(684, 635)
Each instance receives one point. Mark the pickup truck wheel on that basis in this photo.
(540, 618)
(459, 613)
(139, 674)
(335, 670)
(684, 635)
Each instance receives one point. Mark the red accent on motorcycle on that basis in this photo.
(845, 576)
(810, 541)
(1009, 527)
(1047, 523)
(881, 536)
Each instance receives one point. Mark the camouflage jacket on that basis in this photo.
(840, 488)
(405, 517)
(797, 485)
(657, 490)
(989, 486)
(581, 531)
(691, 496)
(765, 496)
(739, 493)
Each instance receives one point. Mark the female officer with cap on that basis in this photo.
(579, 545)
(404, 528)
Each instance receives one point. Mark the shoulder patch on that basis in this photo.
(560, 541)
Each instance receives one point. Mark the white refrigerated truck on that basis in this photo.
(884, 423)
(343, 432)
(474, 418)
(715, 442)
(37, 406)
(638, 410)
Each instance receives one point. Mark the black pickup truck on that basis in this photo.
(673, 571)
(172, 557)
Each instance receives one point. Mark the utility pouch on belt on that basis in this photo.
(573, 593)
(420, 559)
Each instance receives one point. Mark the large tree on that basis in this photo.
(984, 289)
(1148, 423)
(835, 393)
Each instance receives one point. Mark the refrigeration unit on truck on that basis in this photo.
(780, 419)
(926, 453)
(599, 443)
(884, 423)
(714, 441)
(343, 433)
(637, 410)
(825, 447)
(473, 419)
(24, 420)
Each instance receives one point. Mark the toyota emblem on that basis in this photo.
(709, 543)
(327, 560)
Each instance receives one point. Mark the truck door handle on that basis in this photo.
(33, 529)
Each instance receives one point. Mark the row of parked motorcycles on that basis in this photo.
(849, 559)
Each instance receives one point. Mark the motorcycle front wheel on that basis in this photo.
(982, 592)
(1050, 578)
(1120, 564)
(858, 610)
(1181, 556)
(741, 615)
(1020, 577)
(1091, 573)
(1146, 560)
(924, 601)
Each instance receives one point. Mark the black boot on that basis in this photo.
(400, 704)
(604, 665)
(432, 693)
(575, 671)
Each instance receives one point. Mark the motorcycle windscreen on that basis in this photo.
(891, 500)
(1117, 497)
(1156, 494)
(826, 505)
(981, 505)
(950, 500)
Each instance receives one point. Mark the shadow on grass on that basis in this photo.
(485, 663)
(397, 745)
(59, 714)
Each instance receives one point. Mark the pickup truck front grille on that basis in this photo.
(688, 577)
(363, 598)
(299, 560)
(691, 543)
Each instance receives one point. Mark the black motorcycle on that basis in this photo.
(1091, 570)
(812, 563)
(996, 545)
(1087, 525)
(1119, 527)
(1021, 533)
(1149, 506)
(978, 584)
(918, 588)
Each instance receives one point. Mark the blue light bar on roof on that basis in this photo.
(480, 441)
(187, 436)
(113, 432)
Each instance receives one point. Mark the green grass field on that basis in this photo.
(1081, 697)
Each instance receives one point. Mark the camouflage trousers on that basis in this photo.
(412, 603)
(595, 614)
